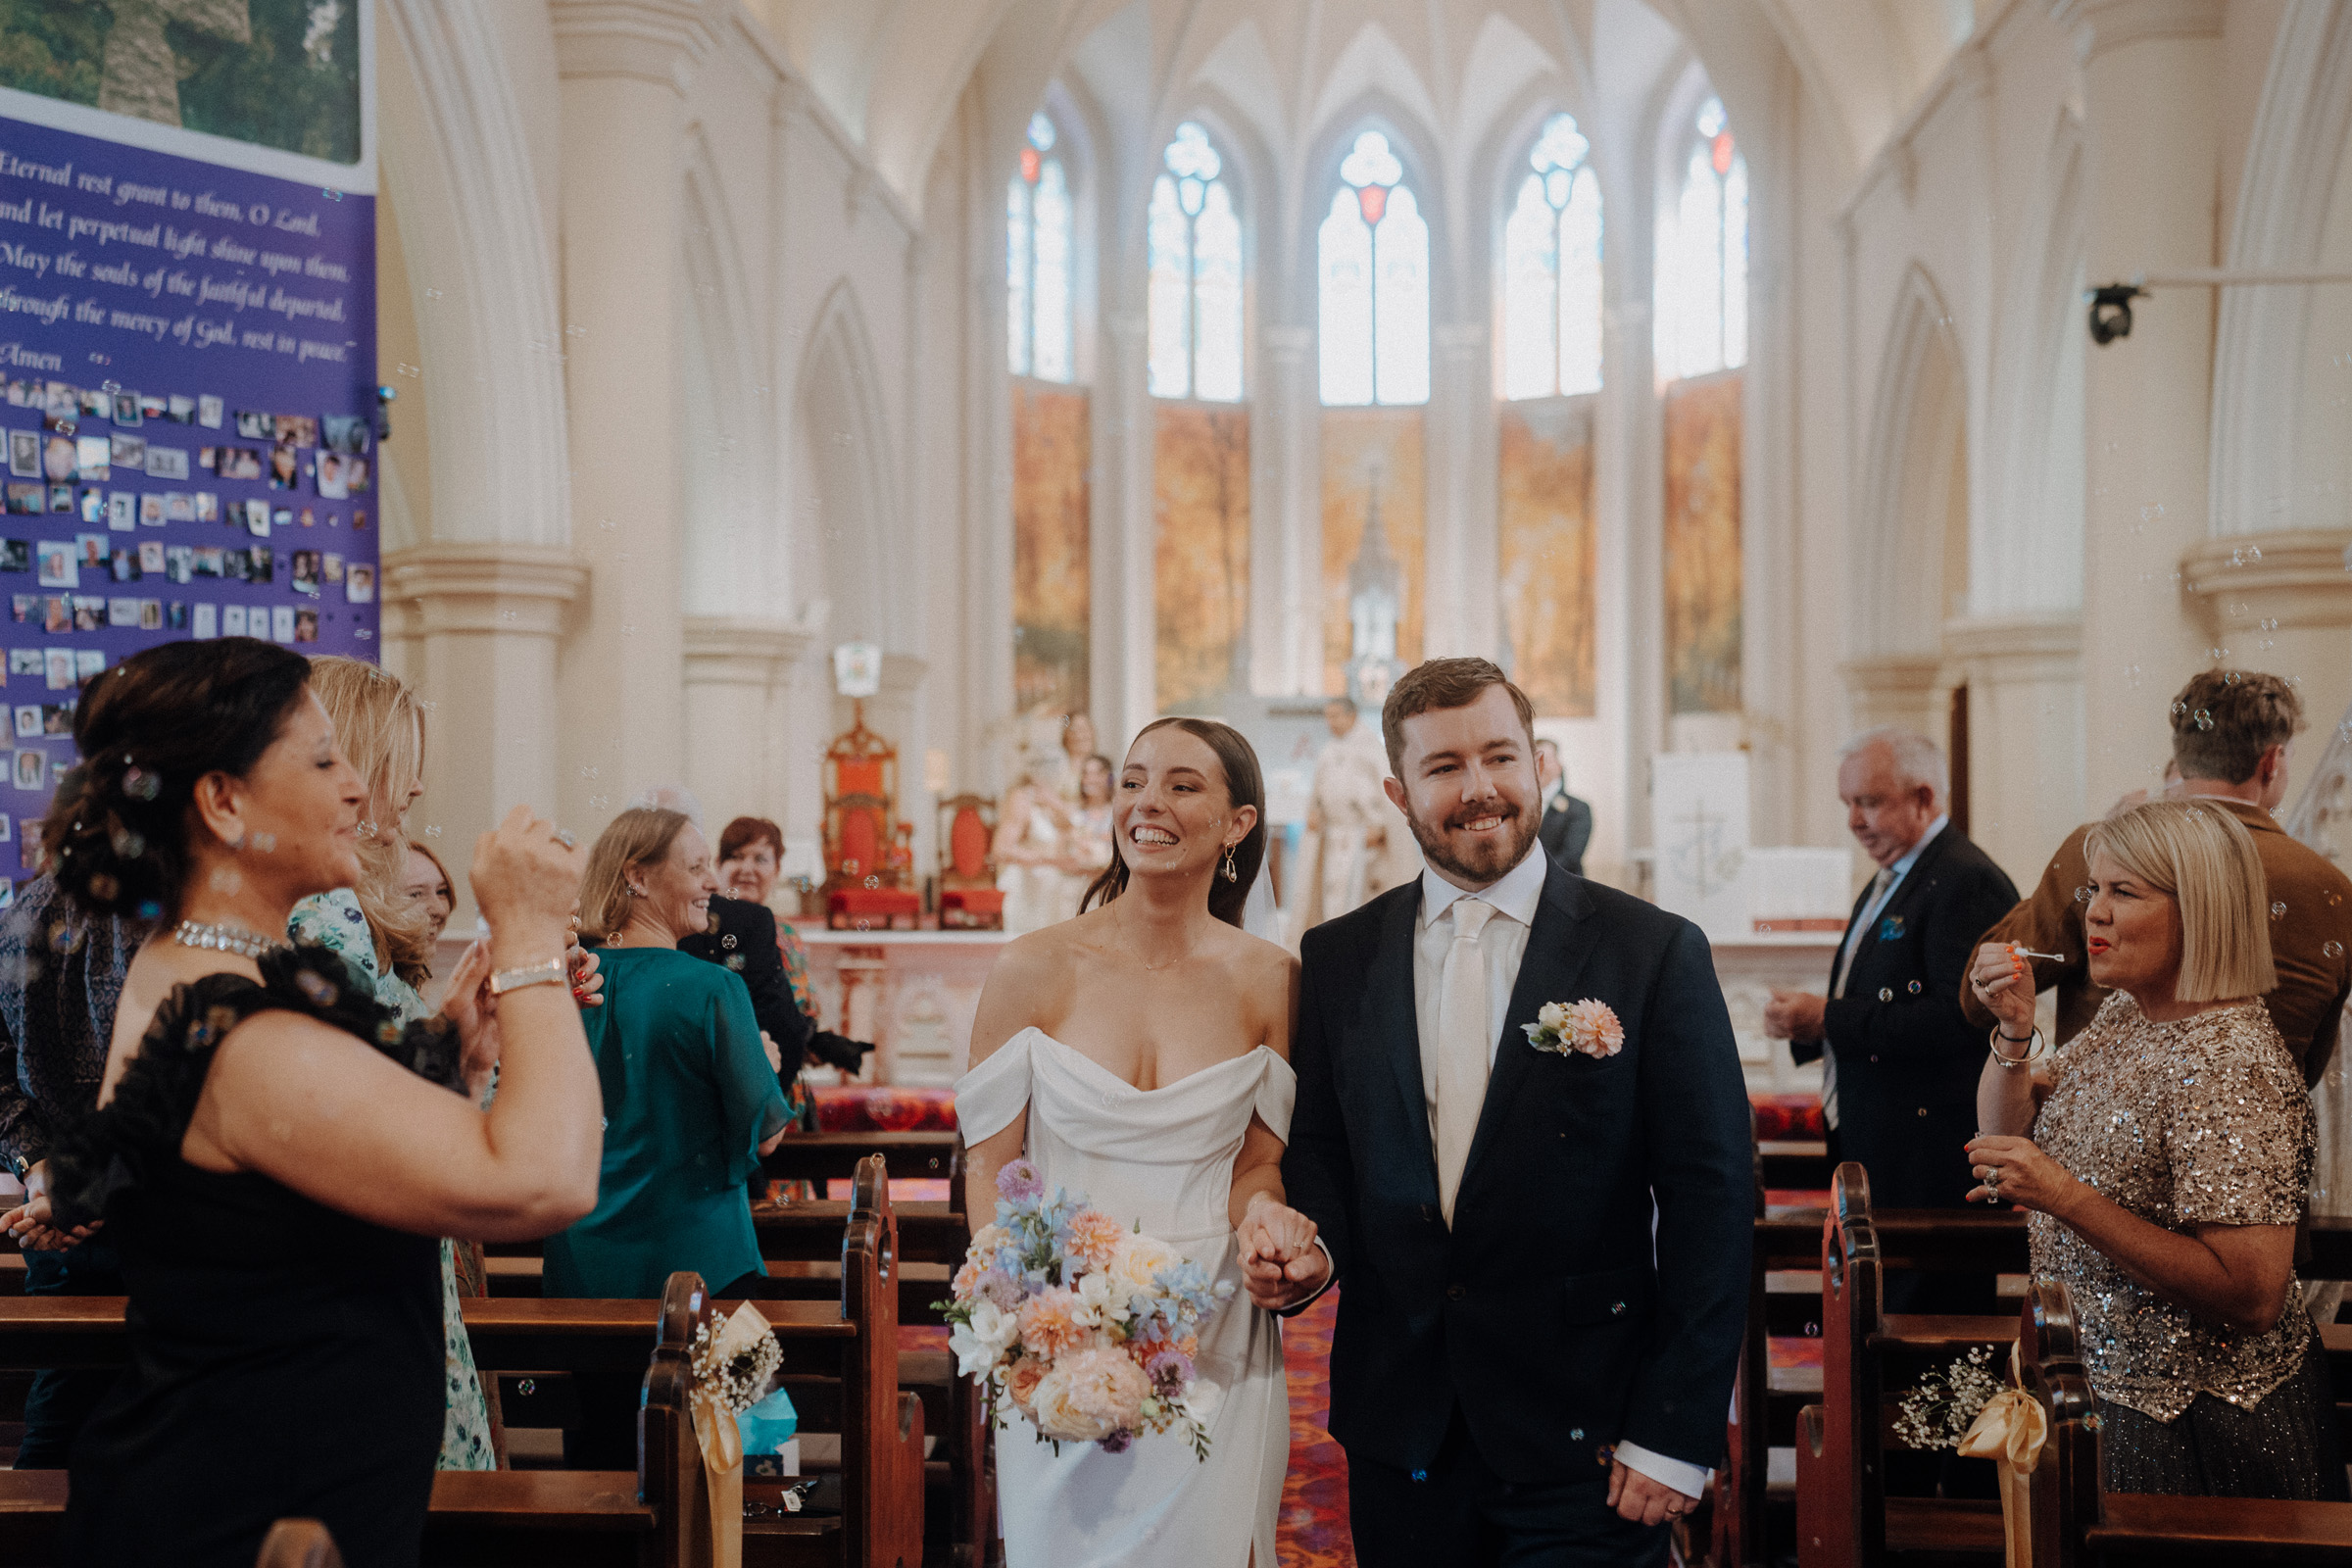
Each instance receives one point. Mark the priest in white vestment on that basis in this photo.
(1356, 842)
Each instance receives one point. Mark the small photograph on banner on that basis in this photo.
(60, 563)
(233, 621)
(32, 769)
(15, 556)
(282, 623)
(29, 720)
(58, 669)
(208, 411)
(206, 622)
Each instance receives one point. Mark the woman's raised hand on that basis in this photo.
(525, 882)
(2004, 982)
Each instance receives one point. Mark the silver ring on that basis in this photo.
(566, 839)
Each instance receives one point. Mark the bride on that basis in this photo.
(1138, 1054)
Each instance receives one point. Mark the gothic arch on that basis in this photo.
(1915, 482)
(853, 539)
(2263, 408)
(2027, 558)
(735, 562)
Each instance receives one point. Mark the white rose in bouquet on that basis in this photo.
(983, 1339)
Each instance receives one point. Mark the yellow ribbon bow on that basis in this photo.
(2010, 1431)
(721, 1439)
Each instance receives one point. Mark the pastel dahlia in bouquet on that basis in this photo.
(1087, 1328)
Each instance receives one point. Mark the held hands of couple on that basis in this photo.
(1281, 1264)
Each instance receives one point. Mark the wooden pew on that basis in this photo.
(2079, 1525)
(1784, 1302)
(836, 1156)
(840, 1358)
(1844, 1518)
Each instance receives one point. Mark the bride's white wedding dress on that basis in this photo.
(1163, 1158)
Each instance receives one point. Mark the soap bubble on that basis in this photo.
(873, 881)
(1885, 994)
(2278, 911)
(2334, 949)
(1917, 988)
(2081, 894)
(2203, 718)
(2179, 709)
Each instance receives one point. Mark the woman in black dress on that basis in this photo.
(273, 1155)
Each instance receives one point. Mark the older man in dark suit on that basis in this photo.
(1900, 1059)
(1567, 821)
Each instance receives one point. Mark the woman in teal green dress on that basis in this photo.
(691, 1099)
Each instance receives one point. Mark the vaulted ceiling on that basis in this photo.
(892, 71)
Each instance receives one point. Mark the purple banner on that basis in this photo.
(187, 353)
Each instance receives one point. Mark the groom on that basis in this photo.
(1542, 1254)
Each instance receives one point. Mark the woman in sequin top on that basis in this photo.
(2166, 1168)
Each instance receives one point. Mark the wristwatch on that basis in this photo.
(550, 973)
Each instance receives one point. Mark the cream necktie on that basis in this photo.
(1464, 1037)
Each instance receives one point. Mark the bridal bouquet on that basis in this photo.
(1086, 1328)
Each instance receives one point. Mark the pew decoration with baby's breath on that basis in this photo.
(736, 1369)
(1939, 1411)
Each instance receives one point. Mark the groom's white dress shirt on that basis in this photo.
(1502, 944)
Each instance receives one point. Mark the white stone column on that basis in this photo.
(2282, 602)
(479, 626)
(2152, 75)
(1897, 690)
(626, 66)
(733, 668)
(2025, 716)
(1287, 614)
(1123, 620)
(1462, 560)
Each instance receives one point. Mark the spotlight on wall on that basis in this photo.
(383, 413)
(2111, 312)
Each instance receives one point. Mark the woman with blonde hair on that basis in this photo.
(383, 935)
(690, 1095)
(2166, 1168)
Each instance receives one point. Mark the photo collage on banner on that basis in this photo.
(187, 371)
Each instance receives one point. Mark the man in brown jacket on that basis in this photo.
(2231, 730)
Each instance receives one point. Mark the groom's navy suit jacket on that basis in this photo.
(1541, 1313)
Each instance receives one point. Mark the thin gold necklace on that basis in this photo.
(1154, 969)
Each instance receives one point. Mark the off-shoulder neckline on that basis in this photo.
(1249, 1055)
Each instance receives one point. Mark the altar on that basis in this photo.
(1748, 968)
(911, 993)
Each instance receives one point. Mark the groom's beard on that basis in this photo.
(1481, 860)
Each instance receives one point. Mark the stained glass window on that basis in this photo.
(1372, 274)
(1702, 255)
(1195, 238)
(1551, 270)
(1037, 258)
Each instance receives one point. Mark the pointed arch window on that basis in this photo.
(1551, 299)
(1037, 257)
(1195, 267)
(1372, 277)
(1702, 276)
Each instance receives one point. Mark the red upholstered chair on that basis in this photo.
(968, 897)
(868, 858)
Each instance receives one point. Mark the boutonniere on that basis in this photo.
(1589, 1027)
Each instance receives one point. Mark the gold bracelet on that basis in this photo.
(2034, 1048)
(550, 973)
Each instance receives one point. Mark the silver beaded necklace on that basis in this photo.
(224, 939)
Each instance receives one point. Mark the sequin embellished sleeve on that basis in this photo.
(2239, 1128)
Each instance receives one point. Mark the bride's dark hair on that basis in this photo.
(1244, 786)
